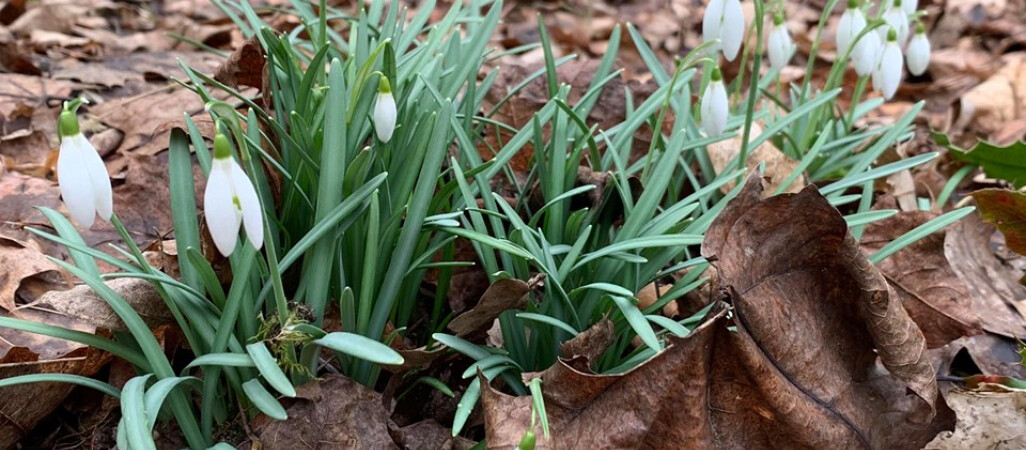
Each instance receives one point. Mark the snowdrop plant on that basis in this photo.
(724, 21)
(889, 67)
(918, 51)
(384, 111)
(231, 201)
(780, 47)
(81, 174)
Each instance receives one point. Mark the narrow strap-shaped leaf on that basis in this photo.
(263, 400)
(361, 347)
(133, 410)
(268, 367)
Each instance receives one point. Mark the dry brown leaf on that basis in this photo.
(429, 435)
(590, 343)
(987, 420)
(17, 90)
(19, 260)
(812, 320)
(818, 314)
(25, 405)
(999, 99)
(924, 281)
(331, 412)
(503, 295)
(80, 302)
(993, 285)
(984, 354)
(245, 66)
(142, 117)
(778, 165)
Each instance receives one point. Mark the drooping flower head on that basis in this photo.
(715, 108)
(780, 46)
(887, 75)
(866, 54)
(231, 201)
(896, 18)
(853, 21)
(384, 111)
(81, 174)
(918, 52)
(724, 20)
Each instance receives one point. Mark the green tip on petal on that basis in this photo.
(892, 36)
(920, 29)
(778, 18)
(67, 124)
(222, 148)
(897, 3)
(853, 4)
(383, 86)
(717, 75)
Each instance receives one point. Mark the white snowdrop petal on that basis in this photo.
(252, 214)
(897, 19)
(99, 179)
(732, 30)
(888, 72)
(852, 23)
(780, 47)
(865, 54)
(384, 116)
(222, 215)
(918, 54)
(75, 183)
(711, 23)
(909, 6)
(715, 109)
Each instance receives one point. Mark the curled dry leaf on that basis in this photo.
(797, 364)
(992, 284)
(503, 295)
(331, 412)
(590, 343)
(936, 299)
(991, 419)
(245, 66)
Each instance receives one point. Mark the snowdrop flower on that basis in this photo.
(865, 54)
(83, 179)
(780, 45)
(715, 109)
(896, 18)
(724, 20)
(384, 111)
(888, 71)
(230, 201)
(918, 52)
(853, 21)
(909, 6)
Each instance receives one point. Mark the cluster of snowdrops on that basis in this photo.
(879, 46)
